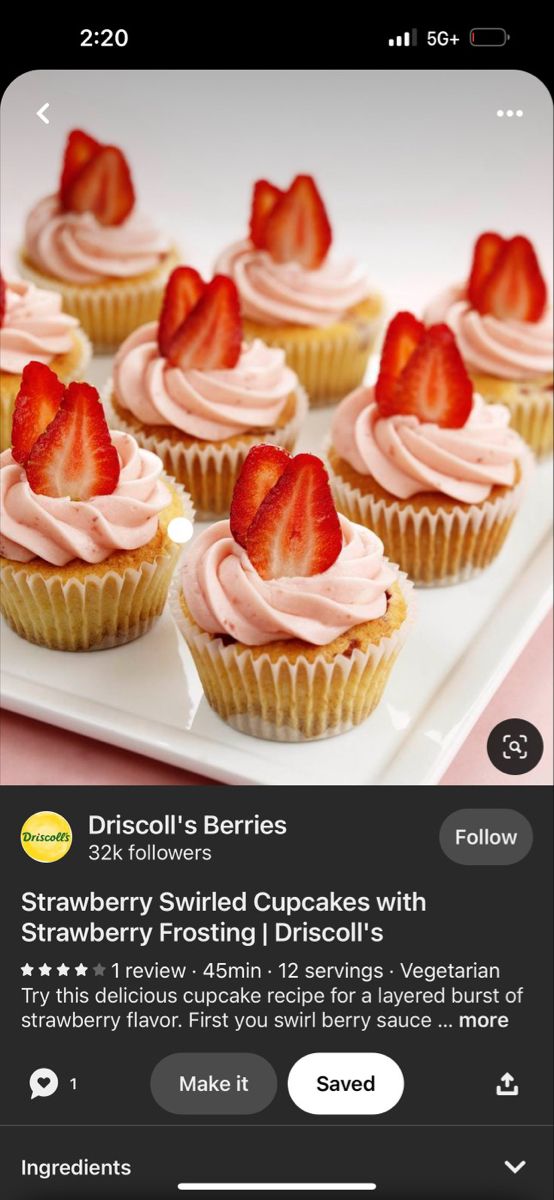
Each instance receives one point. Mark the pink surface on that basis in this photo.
(526, 692)
(34, 753)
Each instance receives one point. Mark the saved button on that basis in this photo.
(345, 1084)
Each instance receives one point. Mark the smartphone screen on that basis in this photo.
(276, 491)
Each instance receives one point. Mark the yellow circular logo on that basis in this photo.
(46, 837)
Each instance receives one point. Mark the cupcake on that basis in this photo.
(86, 557)
(296, 296)
(292, 614)
(88, 242)
(33, 326)
(504, 333)
(190, 389)
(423, 461)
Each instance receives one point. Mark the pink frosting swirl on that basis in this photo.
(226, 595)
(34, 327)
(58, 529)
(407, 456)
(288, 294)
(518, 350)
(211, 405)
(75, 247)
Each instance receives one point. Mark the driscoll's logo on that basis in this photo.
(46, 837)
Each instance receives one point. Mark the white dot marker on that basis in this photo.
(180, 530)
(519, 112)
(500, 112)
(509, 112)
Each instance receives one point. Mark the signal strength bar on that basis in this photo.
(404, 39)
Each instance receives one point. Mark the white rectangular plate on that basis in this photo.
(147, 697)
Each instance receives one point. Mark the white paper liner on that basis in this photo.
(108, 314)
(353, 684)
(459, 524)
(531, 414)
(94, 613)
(209, 470)
(327, 367)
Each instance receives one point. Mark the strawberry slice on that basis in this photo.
(79, 150)
(264, 199)
(298, 228)
(210, 338)
(403, 335)
(183, 291)
(75, 455)
(515, 288)
(37, 402)
(296, 530)
(261, 469)
(434, 385)
(487, 249)
(104, 187)
(2, 300)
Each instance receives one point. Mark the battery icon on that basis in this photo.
(488, 37)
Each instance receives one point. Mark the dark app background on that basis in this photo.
(454, 1160)
(449, 1128)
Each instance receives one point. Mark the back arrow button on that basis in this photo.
(41, 112)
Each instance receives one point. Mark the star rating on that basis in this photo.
(63, 969)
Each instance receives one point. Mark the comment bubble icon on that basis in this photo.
(43, 1083)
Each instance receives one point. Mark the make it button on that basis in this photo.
(213, 1085)
(345, 1084)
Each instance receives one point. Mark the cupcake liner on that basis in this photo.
(95, 612)
(531, 413)
(285, 700)
(329, 362)
(436, 547)
(8, 394)
(208, 470)
(110, 312)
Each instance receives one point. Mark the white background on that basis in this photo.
(412, 164)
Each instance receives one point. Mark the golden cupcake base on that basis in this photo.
(435, 540)
(96, 606)
(530, 405)
(207, 470)
(290, 691)
(330, 361)
(67, 367)
(110, 310)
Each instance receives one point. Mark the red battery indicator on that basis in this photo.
(488, 37)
